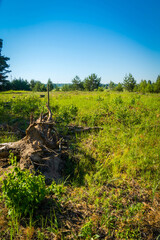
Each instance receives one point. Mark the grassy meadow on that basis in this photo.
(112, 175)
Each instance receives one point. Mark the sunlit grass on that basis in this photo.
(113, 174)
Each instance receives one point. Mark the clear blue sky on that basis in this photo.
(59, 39)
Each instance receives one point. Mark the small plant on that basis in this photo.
(57, 189)
(22, 191)
(53, 224)
(87, 231)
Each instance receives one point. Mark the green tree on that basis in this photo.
(129, 82)
(142, 86)
(43, 88)
(77, 84)
(149, 87)
(20, 84)
(92, 82)
(3, 69)
(51, 85)
(112, 85)
(157, 85)
(39, 87)
(56, 88)
(66, 87)
(119, 87)
(32, 84)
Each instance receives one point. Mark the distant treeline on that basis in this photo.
(91, 83)
(23, 84)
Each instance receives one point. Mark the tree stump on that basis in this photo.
(38, 150)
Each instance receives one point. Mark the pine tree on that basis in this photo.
(129, 82)
(3, 68)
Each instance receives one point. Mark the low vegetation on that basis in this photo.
(111, 180)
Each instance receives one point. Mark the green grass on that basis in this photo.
(113, 175)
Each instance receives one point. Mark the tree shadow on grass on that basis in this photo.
(77, 164)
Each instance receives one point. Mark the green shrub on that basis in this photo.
(67, 113)
(57, 189)
(26, 105)
(23, 191)
(100, 89)
(118, 100)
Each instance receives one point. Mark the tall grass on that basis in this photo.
(127, 146)
(114, 171)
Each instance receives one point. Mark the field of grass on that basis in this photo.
(112, 176)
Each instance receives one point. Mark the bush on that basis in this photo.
(100, 89)
(23, 191)
(67, 113)
(25, 105)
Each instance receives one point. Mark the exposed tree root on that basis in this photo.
(42, 148)
(38, 150)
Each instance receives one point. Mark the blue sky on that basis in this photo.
(59, 39)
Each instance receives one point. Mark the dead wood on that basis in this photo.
(39, 149)
(75, 129)
(49, 113)
(42, 148)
